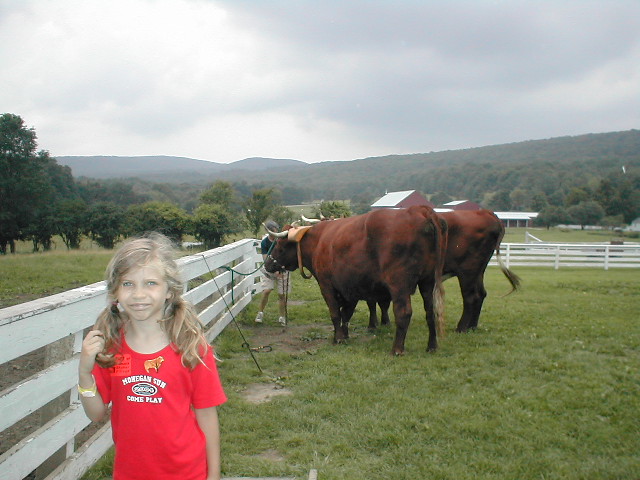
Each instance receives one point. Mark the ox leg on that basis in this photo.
(384, 312)
(426, 291)
(346, 313)
(402, 311)
(373, 314)
(335, 312)
(473, 295)
(477, 308)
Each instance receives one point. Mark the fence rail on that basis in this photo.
(558, 255)
(219, 282)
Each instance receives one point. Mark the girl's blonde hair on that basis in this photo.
(179, 318)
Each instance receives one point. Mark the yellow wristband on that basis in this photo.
(88, 392)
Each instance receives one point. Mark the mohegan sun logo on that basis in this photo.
(144, 389)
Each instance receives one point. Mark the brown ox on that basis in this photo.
(381, 254)
(473, 235)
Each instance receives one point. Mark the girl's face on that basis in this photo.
(142, 292)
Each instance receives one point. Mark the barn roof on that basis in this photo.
(454, 203)
(516, 215)
(392, 199)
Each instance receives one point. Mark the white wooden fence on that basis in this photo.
(58, 323)
(558, 255)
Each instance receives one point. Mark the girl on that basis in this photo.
(148, 357)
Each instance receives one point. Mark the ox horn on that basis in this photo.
(275, 234)
(310, 220)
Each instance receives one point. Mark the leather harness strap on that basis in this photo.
(304, 275)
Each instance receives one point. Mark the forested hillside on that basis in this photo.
(589, 180)
(551, 167)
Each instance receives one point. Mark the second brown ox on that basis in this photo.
(473, 236)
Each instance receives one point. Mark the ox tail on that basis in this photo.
(440, 239)
(514, 279)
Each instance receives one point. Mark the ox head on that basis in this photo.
(283, 255)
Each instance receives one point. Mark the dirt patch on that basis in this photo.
(257, 393)
(271, 455)
(292, 339)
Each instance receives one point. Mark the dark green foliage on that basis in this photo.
(71, 216)
(30, 182)
(586, 213)
(105, 223)
(212, 222)
(334, 209)
(160, 217)
(552, 215)
(260, 207)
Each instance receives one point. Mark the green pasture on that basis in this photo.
(546, 388)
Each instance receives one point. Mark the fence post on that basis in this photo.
(556, 265)
(606, 257)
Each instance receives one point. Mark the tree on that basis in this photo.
(334, 209)
(538, 201)
(576, 196)
(105, 222)
(440, 198)
(550, 216)
(220, 193)
(41, 228)
(282, 215)
(71, 218)
(24, 186)
(212, 222)
(161, 217)
(259, 208)
(520, 199)
(59, 187)
(111, 191)
(586, 213)
(500, 201)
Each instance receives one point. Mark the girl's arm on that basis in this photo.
(93, 344)
(208, 422)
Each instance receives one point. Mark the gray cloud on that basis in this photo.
(223, 80)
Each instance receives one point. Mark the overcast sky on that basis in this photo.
(315, 80)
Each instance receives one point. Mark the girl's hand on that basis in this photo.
(92, 345)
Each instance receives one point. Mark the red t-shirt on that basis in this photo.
(155, 431)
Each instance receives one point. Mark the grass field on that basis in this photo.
(546, 388)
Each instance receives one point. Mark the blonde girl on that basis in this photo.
(147, 357)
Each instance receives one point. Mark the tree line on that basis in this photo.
(40, 199)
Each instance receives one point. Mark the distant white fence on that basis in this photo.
(55, 326)
(558, 255)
